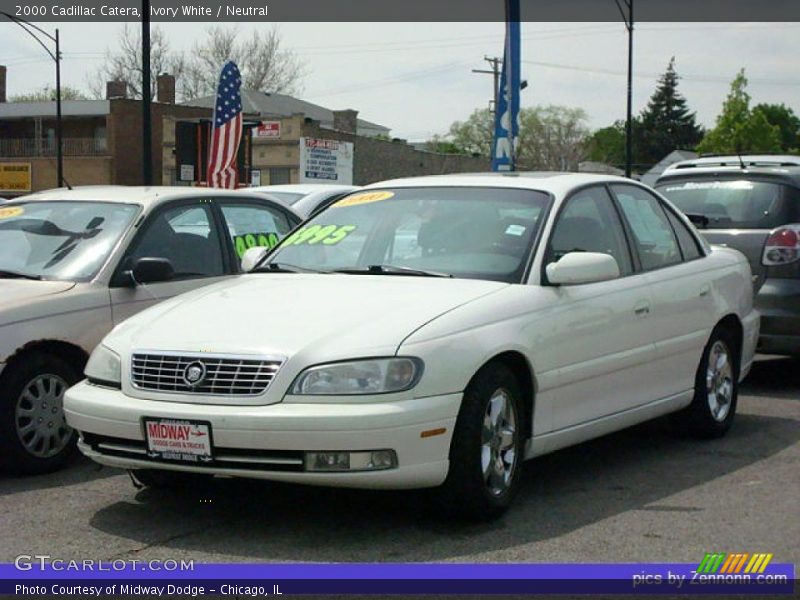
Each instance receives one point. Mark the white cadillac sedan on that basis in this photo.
(430, 333)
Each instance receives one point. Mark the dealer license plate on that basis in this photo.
(172, 439)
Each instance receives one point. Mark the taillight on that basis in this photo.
(782, 246)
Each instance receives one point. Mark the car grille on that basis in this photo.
(223, 375)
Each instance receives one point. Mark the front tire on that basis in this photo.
(716, 390)
(34, 435)
(486, 451)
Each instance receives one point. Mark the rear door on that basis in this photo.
(678, 274)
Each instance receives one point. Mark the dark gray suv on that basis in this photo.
(751, 203)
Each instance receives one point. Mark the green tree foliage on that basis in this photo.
(666, 123)
(474, 135)
(47, 94)
(784, 118)
(607, 145)
(551, 137)
(738, 128)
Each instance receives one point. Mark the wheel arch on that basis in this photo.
(73, 354)
(522, 369)
(733, 324)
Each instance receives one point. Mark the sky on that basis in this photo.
(416, 78)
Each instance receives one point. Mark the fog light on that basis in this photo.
(371, 460)
(327, 461)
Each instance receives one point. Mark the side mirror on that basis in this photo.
(152, 270)
(252, 257)
(582, 267)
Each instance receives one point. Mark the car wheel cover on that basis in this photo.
(39, 416)
(719, 381)
(499, 442)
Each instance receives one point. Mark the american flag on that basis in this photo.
(226, 133)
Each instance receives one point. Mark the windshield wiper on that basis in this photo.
(18, 275)
(391, 270)
(274, 267)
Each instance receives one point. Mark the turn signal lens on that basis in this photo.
(782, 246)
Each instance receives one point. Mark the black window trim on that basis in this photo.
(633, 237)
(632, 254)
(119, 281)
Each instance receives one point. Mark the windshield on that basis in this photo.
(479, 233)
(287, 197)
(60, 240)
(738, 203)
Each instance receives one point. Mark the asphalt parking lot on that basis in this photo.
(636, 496)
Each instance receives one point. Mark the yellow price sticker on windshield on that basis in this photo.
(11, 211)
(363, 198)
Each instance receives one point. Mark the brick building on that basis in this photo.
(102, 140)
(276, 156)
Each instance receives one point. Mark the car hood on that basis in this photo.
(326, 317)
(22, 291)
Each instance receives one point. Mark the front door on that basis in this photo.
(184, 233)
(594, 345)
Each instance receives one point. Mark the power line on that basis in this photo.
(651, 75)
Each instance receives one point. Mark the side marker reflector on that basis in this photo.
(432, 432)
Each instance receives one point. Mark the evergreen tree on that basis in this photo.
(666, 124)
(739, 129)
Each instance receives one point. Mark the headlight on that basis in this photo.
(373, 376)
(103, 367)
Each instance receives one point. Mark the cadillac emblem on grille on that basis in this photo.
(194, 374)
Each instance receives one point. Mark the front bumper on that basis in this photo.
(265, 442)
(778, 301)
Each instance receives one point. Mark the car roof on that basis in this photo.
(554, 182)
(302, 188)
(146, 196)
(779, 165)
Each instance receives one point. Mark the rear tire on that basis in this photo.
(34, 437)
(716, 390)
(161, 479)
(486, 451)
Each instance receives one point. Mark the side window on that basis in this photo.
(686, 240)
(590, 223)
(251, 225)
(654, 236)
(183, 235)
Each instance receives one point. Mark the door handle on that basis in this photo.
(642, 309)
(705, 291)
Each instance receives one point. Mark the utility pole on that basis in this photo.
(496, 64)
(31, 30)
(59, 149)
(147, 125)
(628, 19)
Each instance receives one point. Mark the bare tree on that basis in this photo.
(265, 65)
(48, 94)
(551, 138)
(125, 62)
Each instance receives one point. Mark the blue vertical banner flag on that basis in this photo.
(506, 122)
